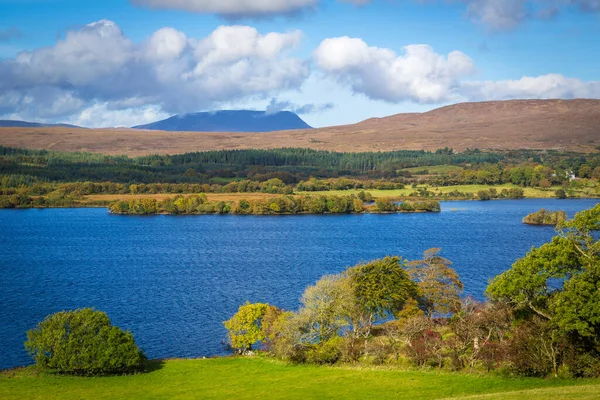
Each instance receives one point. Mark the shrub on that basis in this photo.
(386, 205)
(365, 196)
(580, 363)
(327, 352)
(379, 350)
(427, 205)
(532, 349)
(484, 195)
(515, 193)
(83, 342)
(545, 217)
(426, 348)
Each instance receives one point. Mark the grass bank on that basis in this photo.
(258, 377)
(435, 193)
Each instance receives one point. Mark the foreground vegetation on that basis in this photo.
(388, 313)
(265, 378)
(542, 317)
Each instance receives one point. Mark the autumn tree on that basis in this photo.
(324, 308)
(439, 284)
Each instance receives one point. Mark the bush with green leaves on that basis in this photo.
(560, 194)
(83, 342)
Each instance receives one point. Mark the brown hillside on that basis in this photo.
(515, 124)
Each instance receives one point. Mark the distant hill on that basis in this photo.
(514, 124)
(6, 123)
(229, 121)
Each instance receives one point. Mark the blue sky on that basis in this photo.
(126, 62)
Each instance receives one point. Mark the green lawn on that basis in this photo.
(263, 378)
(434, 169)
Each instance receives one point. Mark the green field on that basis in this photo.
(264, 378)
(529, 192)
(434, 169)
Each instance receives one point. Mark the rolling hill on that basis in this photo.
(515, 124)
(230, 121)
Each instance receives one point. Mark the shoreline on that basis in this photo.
(107, 203)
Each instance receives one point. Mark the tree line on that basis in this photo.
(11, 184)
(524, 175)
(291, 165)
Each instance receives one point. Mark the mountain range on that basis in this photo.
(572, 125)
(6, 123)
(230, 121)
(211, 121)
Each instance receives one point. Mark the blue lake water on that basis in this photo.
(172, 280)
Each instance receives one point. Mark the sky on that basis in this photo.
(126, 62)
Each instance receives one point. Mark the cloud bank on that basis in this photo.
(98, 64)
(418, 75)
(423, 76)
(97, 76)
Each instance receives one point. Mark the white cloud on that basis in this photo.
(419, 75)
(103, 115)
(98, 64)
(232, 8)
(166, 44)
(276, 106)
(551, 86)
(97, 76)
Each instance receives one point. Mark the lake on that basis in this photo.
(172, 280)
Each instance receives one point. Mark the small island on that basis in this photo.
(277, 205)
(545, 217)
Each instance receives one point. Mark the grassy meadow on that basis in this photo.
(104, 199)
(434, 169)
(258, 377)
(529, 192)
